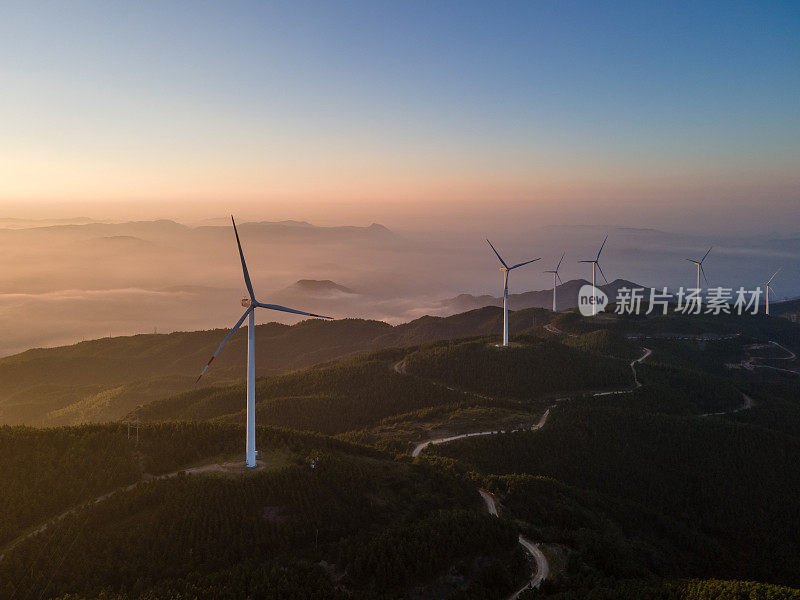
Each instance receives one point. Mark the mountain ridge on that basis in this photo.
(566, 296)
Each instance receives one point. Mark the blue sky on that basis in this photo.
(407, 103)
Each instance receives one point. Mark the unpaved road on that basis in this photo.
(421, 446)
(636, 383)
(222, 467)
(757, 362)
(400, 368)
(533, 549)
(748, 403)
(542, 566)
(791, 354)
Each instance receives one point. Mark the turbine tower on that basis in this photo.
(251, 304)
(699, 264)
(769, 288)
(506, 269)
(558, 277)
(596, 264)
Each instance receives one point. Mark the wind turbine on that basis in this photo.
(506, 269)
(251, 304)
(769, 287)
(596, 263)
(699, 264)
(556, 276)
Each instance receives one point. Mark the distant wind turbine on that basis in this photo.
(558, 277)
(596, 263)
(699, 264)
(251, 304)
(769, 288)
(506, 269)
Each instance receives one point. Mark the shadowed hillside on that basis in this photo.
(104, 379)
(359, 525)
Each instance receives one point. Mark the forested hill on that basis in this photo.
(357, 526)
(678, 488)
(102, 380)
(360, 392)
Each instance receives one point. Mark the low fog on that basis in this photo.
(61, 282)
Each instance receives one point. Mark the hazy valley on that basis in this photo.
(66, 282)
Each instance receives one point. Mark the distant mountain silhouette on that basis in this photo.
(790, 308)
(148, 230)
(300, 230)
(317, 287)
(116, 241)
(566, 296)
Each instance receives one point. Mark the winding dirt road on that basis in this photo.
(748, 403)
(421, 446)
(757, 362)
(636, 383)
(534, 550)
(221, 467)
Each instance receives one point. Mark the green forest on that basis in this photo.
(104, 379)
(531, 368)
(733, 485)
(358, 393)
(356, 523)
(646, 493)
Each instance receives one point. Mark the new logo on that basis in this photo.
(591, 300)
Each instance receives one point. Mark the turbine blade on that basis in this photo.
(693, 261)
(244, 265)
(703, 272)
(524, 263)
(601, 271)
(559, 279)
(706, 254)
(601, 248)
(290, 310)
(587, 261)
(225, 341)
(773, 276)
(498, 255)
(559, 262)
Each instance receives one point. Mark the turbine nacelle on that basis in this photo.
(556, 279)
(505, 269)
(699, 265)
(596, 261)
(251, 304)
(770, 288)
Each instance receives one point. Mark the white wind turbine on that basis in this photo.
(558, 277)
(506, 269)
(769, 288)
(699, 264)
(251, 304)
(596, 263)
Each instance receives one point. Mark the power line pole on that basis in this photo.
(128, 423)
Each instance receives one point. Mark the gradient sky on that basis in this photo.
(363, 111)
